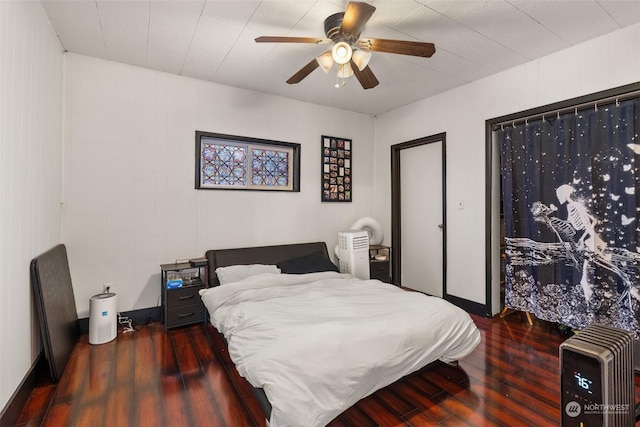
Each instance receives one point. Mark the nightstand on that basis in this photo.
(380, 263)
(181, 301)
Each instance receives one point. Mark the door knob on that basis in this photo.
(441, 226)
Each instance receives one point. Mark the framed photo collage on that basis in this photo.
(337, 179)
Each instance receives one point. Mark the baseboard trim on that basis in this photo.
(138, 317)
(11, 411)
(468, 306)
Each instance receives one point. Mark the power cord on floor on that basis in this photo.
(124, 320)
(151, 316)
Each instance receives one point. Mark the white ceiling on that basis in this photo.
(214, 40)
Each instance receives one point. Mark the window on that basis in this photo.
(238, 163)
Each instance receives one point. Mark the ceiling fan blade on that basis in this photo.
(402, 47)
(366, 77)
(303, 72)
(355, 17)
(285, 39)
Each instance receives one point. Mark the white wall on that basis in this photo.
(603, 63)
(30, 176)
(129, 153)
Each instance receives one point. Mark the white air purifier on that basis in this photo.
(353, 252)
(103, 318)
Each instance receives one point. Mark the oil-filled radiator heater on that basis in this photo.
(596, 378)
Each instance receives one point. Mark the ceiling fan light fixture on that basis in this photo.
(361, 58)
(345, 71)
(343, 30)
(342, 52)
(325, 61)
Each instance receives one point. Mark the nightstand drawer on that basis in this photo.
(185, 315)
(380, 263)
(380, 270)
(187, 295)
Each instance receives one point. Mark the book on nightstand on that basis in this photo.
(198, 262)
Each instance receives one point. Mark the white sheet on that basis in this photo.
(319, 342)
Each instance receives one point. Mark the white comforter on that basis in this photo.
(319, 342)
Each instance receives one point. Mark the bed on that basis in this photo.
(313, 341)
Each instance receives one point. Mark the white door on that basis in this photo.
(421, 236)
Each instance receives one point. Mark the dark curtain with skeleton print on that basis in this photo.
(570, 201)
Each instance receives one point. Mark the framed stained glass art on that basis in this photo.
(230, 162)
(337, 180)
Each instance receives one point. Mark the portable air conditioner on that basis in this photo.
(596, 378)
(353, 249)
(103, 318)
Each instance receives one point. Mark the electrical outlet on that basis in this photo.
(107, 287)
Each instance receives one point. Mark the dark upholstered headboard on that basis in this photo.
(56, 305)
(259, 255)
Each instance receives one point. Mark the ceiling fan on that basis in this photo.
(350, 52)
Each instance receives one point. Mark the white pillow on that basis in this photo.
(235, 273)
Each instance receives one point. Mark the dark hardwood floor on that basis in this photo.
(185, 378)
